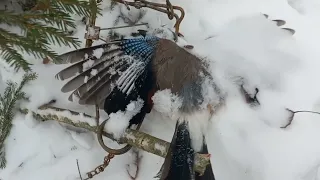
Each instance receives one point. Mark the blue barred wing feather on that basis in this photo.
(122, 68)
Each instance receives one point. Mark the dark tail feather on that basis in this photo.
(180, 158)
(179, 162)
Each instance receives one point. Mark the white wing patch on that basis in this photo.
(126, 81)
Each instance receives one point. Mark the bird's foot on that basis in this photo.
(249, 99)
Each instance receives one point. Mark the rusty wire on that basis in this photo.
(167, 8)
(101, 167)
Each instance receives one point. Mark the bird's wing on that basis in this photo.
(93, 80)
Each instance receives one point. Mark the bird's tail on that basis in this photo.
(179, 162)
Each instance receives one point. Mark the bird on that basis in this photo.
(138, 67)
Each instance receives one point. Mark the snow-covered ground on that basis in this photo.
(246, 142)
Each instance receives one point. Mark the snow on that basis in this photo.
(119, 121)
(98, 52)
(245, 143)
(86, 78)
(30, 121)
(83, 139)
(87, 64)
(166, 103)
(91, 31)
(94, 72)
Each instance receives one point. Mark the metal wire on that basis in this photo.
(167, 8)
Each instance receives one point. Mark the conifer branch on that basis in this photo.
(45, 24)
(8, 100)
(11, 55)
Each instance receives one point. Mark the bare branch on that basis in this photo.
(79, 169)
(290, 119)
(132, 137)
(137, 160)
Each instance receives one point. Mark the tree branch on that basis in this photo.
(132, 137)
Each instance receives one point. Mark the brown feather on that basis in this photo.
(173, 71)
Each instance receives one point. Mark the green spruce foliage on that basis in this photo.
(8, 100)
(46, 23)
(43, 24)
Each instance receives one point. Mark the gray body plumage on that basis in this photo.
(185, 75)
(180, 71)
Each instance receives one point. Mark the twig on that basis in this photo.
(292, 116)
(79, 169)
(137, 163)
(118, 27)
(132, 137)
(167, 8)
(97, 113)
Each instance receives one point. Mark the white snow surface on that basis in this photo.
(246, 143)
(119, 121)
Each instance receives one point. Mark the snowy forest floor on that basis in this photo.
(246, 143)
